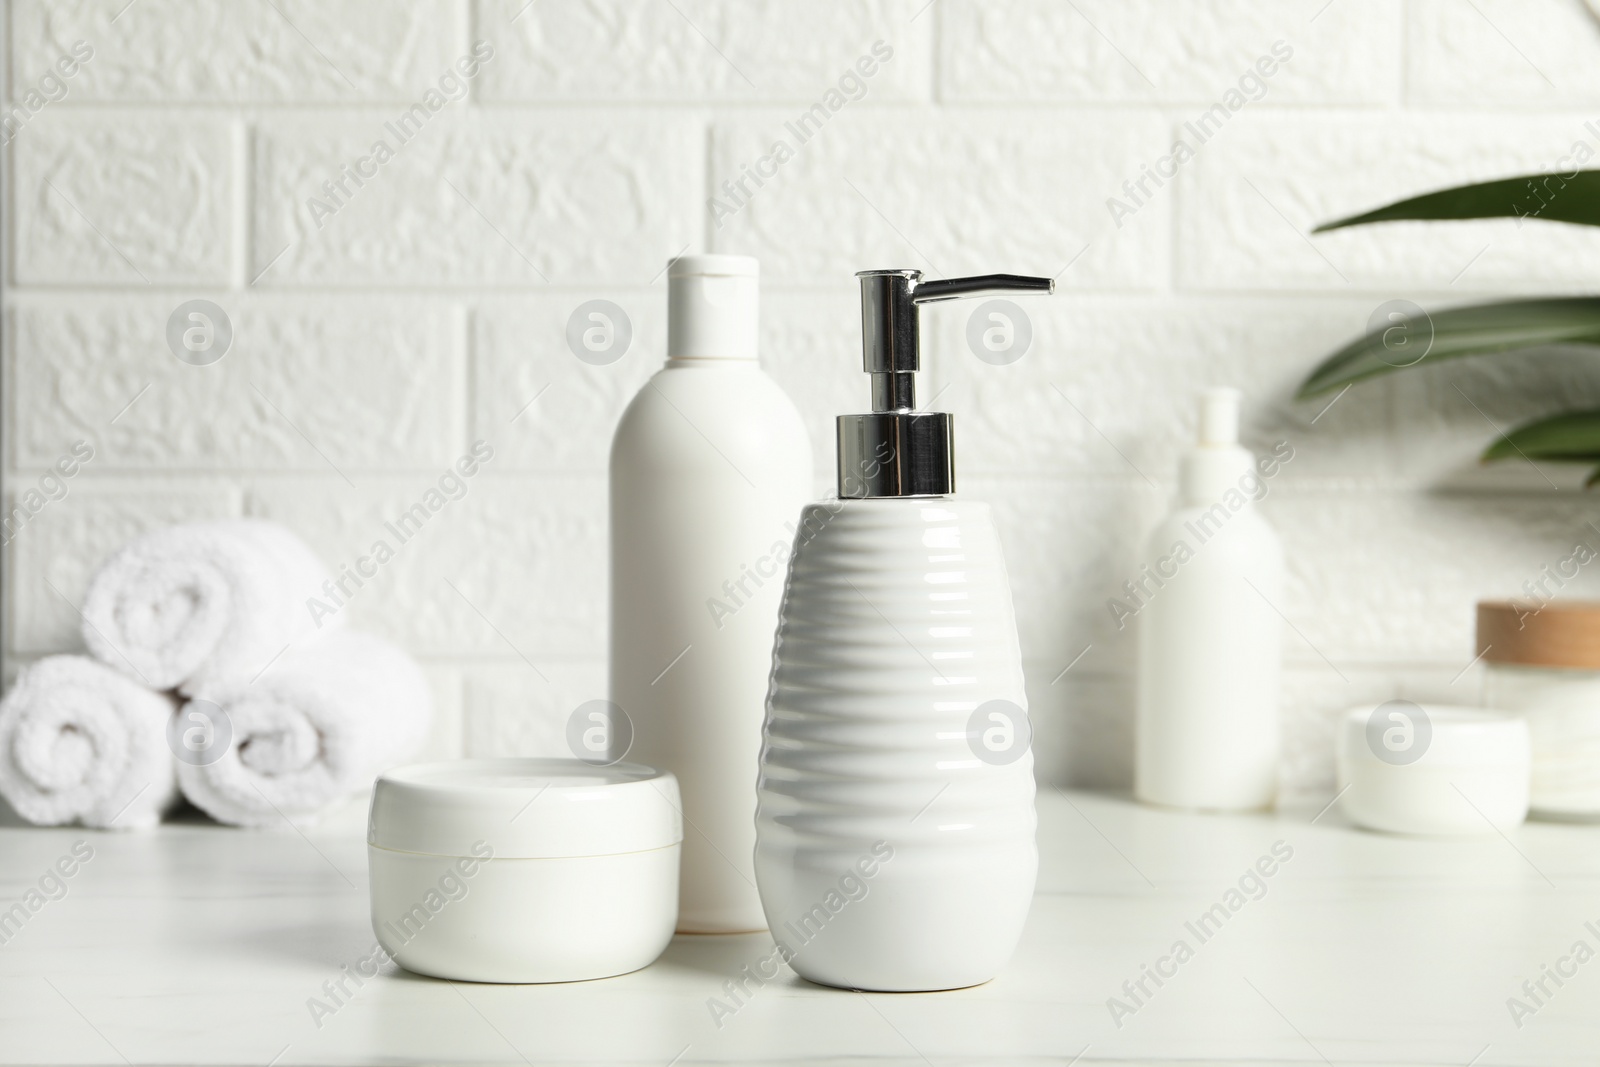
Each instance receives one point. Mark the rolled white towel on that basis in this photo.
(323, 722)
(204, 604)
(81, 741)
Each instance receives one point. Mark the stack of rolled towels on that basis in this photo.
(207, 675)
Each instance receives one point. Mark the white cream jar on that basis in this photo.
(1544, 663)
(524, 870)
(1433, 770)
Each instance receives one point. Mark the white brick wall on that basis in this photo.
(375, 342)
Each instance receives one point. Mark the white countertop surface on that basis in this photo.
(202, 944)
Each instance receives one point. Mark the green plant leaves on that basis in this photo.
(1471, 330)
(1411, 337)
(1572, 197)
(1571, 437)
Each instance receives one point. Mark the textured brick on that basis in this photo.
(514, 568)
(1115, 52)
(961, 192)
(1069, 546)
(474, 199)
(544, 408)
(1501, 53)
(811, 345)
(356, 382)
(700, 50)
(511, 711)
(194, 50)
(1258, 187)
(1108, 386)
(124, 199)
(1393, 578)
(971, 153)
(63, 544)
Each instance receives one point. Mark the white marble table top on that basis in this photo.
(199, 944)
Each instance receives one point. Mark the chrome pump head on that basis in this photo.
(896, 450)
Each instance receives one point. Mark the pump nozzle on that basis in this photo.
(897, 450)
(949, 288)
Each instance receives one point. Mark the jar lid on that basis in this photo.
(524, 809)
(1401, 733)
(1563, 633)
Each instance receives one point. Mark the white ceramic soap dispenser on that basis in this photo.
(709, 467)
(1210, 632)
(895, 826)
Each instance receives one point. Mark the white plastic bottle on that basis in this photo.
(709, 469)
(1210, 635)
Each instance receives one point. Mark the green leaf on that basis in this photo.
(1471, 330)
(1572, 436)
(1571, 198)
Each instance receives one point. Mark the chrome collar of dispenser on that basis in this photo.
(896, 450)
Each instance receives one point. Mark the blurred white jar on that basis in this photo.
(1544, 663)
(1433, 770)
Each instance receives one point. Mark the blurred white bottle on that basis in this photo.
(1209, 634)
(710, 467)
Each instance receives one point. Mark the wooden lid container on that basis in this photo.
(1564, 633)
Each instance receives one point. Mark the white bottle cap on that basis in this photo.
(441, 809)
(1216, 464)
(712, 306)
(1219, 417)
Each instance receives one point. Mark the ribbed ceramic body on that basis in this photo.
(889, 855)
